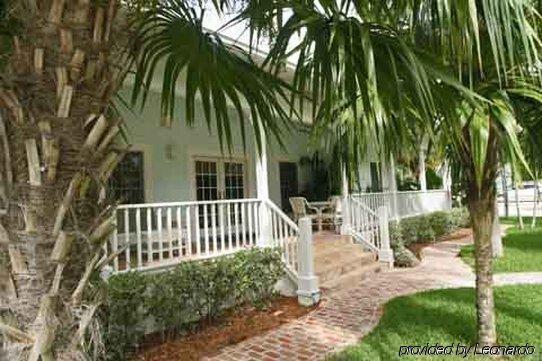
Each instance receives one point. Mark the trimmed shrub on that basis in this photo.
(460, 217)
(123, 313)
(403, 256)
(178, 299)
(424, 228)
(441, 223)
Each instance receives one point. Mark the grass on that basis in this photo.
(514, 220)
(448, 316)
(522, 252)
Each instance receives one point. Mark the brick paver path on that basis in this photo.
(349, 313)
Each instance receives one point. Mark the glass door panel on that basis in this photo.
(234, 180)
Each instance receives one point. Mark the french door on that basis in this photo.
(218, 178)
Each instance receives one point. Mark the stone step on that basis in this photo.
(352, 277)
(340, 263)
(330, 255)
(324, 246)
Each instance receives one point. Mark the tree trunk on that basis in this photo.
(55, 94)
(482, 213)
(482, 219)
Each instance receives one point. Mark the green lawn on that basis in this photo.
(522, 252)
(526, 220)
(448, 316)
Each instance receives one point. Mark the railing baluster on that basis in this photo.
(188, 232)
(250, 235)
(213, 224)
(198, 232)
(222, 233)
(179, 232)
(127, 237)
(243, 224)
(237, 236)
(115, 245)
(228, 219)
(206, 228)
(275, 233)
(150, 256)
(138, 238)
(170, 232)
(160, 235)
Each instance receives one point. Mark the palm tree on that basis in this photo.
(60, 139)
(377, 70)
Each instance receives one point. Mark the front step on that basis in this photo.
(340, 261)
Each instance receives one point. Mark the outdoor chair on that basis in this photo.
(301, 208)
(333, 215)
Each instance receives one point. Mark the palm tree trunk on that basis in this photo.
(60, 140)
(482, 213)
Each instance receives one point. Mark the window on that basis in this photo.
(127, 181)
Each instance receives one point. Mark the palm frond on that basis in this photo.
(222, 75)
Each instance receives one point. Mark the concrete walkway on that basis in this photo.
(348, 314)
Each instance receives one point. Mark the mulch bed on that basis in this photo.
(417, 248)
(232, 328)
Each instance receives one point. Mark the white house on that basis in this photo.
(183, 198)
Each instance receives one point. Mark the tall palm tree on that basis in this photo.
(60, 139)
(377, 70)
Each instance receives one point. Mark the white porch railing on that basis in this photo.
(407, 204)
(160, 235)
(285, 235)
(365, 224)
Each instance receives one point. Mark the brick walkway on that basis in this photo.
(348, 314)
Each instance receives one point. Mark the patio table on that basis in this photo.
(320, 206)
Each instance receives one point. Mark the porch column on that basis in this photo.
(421, 164)
(345, 193)
(447, 181)
(262, 193)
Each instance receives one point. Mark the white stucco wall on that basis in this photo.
(172, 178)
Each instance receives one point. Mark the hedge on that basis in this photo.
(177, 300)
(424, 228)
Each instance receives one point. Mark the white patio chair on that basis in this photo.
(334, 215)
(301, 208)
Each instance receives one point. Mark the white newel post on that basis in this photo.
(392, 181)
(262, 192)
(345, 206)
(385, 253)
(308, 292)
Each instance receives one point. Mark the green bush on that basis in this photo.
(460, 217)
(193, 291)
(122, 315)
(441, 222)
(424, 228)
